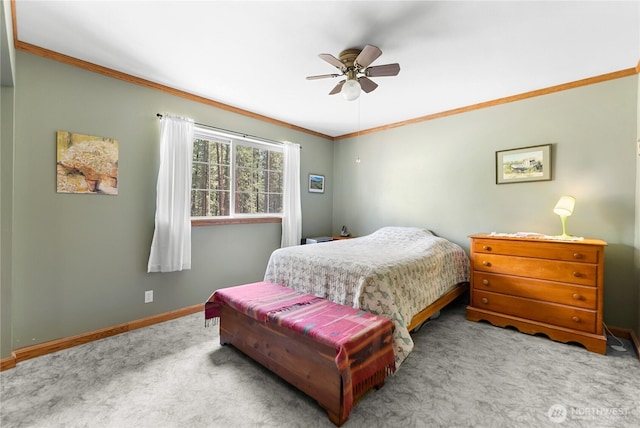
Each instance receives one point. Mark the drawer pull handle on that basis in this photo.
(577, 274)
(485, 300)
(486, 248)
(486, 263)
(576, 296)
(485, 281)
(575, 319)
(577, 255)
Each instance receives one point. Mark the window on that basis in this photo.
(235, 176)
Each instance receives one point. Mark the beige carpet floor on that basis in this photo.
(460, 374)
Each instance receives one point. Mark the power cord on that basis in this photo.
(620, 347)
(427, 321)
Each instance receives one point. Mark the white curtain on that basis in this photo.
(292, 218)
(171, 245)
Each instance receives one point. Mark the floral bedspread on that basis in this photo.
(394, 272)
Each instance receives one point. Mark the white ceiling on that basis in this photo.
(256, 55)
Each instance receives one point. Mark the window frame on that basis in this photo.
(203, 132)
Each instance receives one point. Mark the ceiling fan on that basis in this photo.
(354, 64)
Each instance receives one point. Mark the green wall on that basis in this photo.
(638, 203)
(6, 215)
(7, 74)
(440, 174)
(79, 261)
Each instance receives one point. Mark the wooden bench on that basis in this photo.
(331, 352)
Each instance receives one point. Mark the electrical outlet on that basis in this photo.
(148, 296)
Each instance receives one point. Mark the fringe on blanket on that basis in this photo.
(375, 380)
(211, 322)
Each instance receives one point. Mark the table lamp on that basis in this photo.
(564, 208)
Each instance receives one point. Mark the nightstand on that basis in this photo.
(339, 237)
(544, 286)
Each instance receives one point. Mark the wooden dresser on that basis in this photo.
(540, 286)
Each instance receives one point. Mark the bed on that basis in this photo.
(406, 274)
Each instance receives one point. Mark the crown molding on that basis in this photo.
(539, 92)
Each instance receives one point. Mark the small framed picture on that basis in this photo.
(523, 164)
(316, 183)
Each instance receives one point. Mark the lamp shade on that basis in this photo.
(351, 89)
(564, 207)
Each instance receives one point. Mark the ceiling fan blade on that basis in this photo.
(367, 84)
(337, 88)
(332, 60)
(322, 76)
(368, 55)
(383, 70)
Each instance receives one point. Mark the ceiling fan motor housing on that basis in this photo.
(348, 57)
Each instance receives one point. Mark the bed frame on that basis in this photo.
(436, 306)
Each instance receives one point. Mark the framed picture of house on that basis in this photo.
(316, 183)
(523, 164)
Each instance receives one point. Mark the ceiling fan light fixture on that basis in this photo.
(354, 65)
(351, 90)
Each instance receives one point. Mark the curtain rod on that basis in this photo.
(234, 133)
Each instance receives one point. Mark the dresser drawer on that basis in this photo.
(544, 250)
(566, 294)
(549, 313)
(571, 272)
